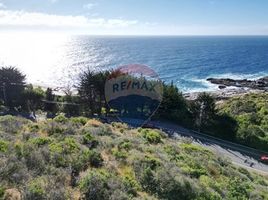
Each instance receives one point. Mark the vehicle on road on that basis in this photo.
(264, 159)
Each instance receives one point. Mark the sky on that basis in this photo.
(136, 17)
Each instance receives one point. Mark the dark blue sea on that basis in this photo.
(185, 61)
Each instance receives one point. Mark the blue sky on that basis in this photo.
(137, 17)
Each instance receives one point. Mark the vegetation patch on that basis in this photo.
(71, 165)
(151, 136)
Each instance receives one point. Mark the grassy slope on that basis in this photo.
(251, 113)
(72, 158)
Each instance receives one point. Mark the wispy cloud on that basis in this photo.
(89, 6)
(53, 1)
(31, 19)
(2, 5)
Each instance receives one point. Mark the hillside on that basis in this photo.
(250, 112)
(81, 158)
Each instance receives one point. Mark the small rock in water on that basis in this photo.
(222, 87)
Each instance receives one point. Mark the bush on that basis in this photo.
(238, 189)
(33, 128)
(53, 128)
(171, 185)
(165, 181)
(125, 145)
(33, 158)
(132, 185)
(90, 141)
(36, 189)
(3, 146)
(67, 146)
(95, 186)
(61, 119)
(12, 124)
(101, 185)
(79, 120)
(39, 141)
(95, 159)
(119, 154)
(152, 136)
(102, 130)
(2, 192)
(13, 171)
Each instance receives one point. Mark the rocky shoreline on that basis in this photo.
(259, 84)
(230, 88)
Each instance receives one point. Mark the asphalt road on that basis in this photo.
(238, 154)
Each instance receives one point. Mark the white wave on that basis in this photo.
(206, 86)
(239, 76)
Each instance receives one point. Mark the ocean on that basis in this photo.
(56, 60)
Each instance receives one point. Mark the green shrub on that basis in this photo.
(90, 141)
(39, 141)
(61, 119)
(82, 161)
(104, 130)
(95, 159)
(119, 154)
(101, 130)
(36, 189)
(3, 146)
(79, 120)
(125, 145)
(152, 136)
(67, 146)
(171, 185)
(101, 185)
(34, 127)
(94, 185)
(2, 192)
(238, 189)
(192, 148)
(12, 124)
(172, 151)
(53, 128)
(132, 185)
(166, 182)
(194, 171)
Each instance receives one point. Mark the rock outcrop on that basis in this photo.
(259, 84)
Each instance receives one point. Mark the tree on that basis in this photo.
(12, 83)
(50, 106)
(71, 106)
(33, 97)
(174, 106)
(91, 89)
(204, 110)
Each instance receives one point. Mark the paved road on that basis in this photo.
(238, 154)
